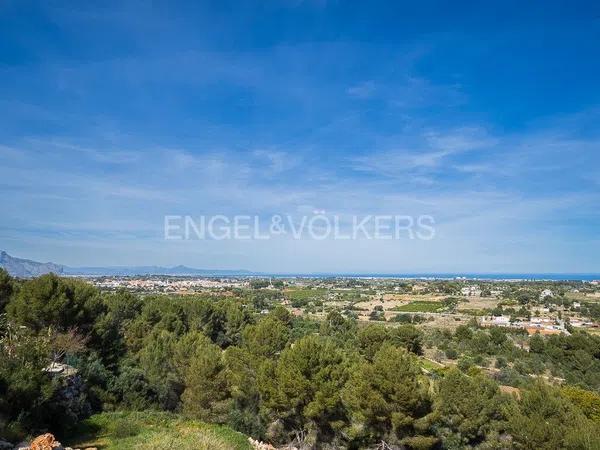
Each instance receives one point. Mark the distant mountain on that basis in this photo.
(25, 268)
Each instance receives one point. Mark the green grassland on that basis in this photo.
(154, 431)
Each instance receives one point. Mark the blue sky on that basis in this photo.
(483, 115)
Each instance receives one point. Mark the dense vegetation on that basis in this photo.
(329, 384)
(517, 358)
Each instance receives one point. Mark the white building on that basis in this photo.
(471, 291)
(496, 321)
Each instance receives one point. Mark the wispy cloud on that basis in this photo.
(432, 153)
(105, 131)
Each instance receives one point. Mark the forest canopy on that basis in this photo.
(335, 383)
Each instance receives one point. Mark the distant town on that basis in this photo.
(545, 307)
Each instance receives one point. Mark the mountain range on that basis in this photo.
(25, 268)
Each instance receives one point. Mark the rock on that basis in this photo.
(45, 442)
(5, 445)
(257, 445)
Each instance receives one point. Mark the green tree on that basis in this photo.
(51, 301)
(386, 397)
(155, 359)
(525, 297)
(463, 333)
(206, 394)
(498, 336)
(338, 327)
(536, 344)
(108, 338)
(267, 338)
(24, 388)
(236, 319)
(185, 349)
(282, 314)
(468, 409)
(132, 389)
(6, 289)
(544, 420)
(409, 337)
(302, 390)
(370, 339)
(241, 371)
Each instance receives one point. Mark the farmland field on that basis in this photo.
(305, 294)
(419, 306)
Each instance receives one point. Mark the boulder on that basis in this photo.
(45, 442)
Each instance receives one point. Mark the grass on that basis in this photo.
(419, 306)
(433, 368)
(154, 431)
(430, 365)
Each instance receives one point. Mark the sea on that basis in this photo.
(451, 276)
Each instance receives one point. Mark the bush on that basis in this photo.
(464, 364)
(451, 353)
